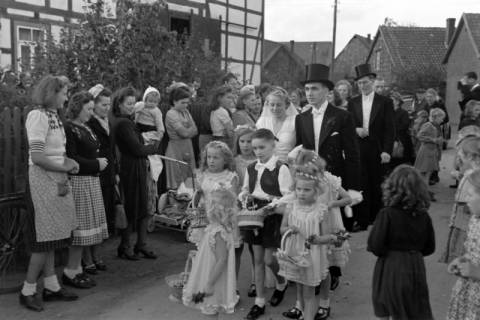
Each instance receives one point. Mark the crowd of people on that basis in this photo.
(295, 158)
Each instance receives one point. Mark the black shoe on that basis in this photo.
(252, 291)
(334, 282)
(100, 265)
(277, 297)
(60, 295)
(322, 313)
(92, 282)
(81, 281)
(147, 254)
(255, 312)
(125, 253)
(91, 269)
(293, 313)
(32, 302)
(358, 228)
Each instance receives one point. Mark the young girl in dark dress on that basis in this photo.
(401, 236)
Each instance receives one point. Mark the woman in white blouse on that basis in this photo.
(278, 116)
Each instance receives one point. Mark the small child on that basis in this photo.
(148, 116)
(469, 156)
(265, 180)
(334, 197)
(464, 303)
(212, 284)
(420, 119)
(305, 218)
(244, 156)
(401, 236)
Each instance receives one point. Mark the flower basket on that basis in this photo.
(176, 282)
(290, 260)
(196, 214)
(249, 217)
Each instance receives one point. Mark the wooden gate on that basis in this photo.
(13, 150)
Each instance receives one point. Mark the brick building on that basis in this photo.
(463, 55)
(281, 66)
(312, 51)
(354, 53)
(399, 52)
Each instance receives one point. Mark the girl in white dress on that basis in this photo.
(305, 219)
(211, 286)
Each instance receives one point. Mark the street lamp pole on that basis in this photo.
(332, 64)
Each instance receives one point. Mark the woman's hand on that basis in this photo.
(468, 270)
(102, 163)
(71, 166)
(454, 266)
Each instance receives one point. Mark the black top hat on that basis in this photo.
(318, 73)
(364, 70)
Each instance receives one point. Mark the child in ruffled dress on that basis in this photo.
(469, 156)
(465, 302)
(334, 197)
(211, 286)
(305, 218)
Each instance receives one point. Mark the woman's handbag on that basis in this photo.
(398, 149)
(120, 215)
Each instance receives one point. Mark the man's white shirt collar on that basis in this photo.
(369, 96)
(321, 110)
(270, 164)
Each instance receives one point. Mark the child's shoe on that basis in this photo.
(255, 312)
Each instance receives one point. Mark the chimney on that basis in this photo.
(449, 31)
(369, 36)
(292, 46)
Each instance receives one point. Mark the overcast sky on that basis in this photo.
(312, 20)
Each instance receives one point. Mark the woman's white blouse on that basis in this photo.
(286, 135)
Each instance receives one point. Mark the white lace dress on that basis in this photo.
(337, 256)
(224, 297)
(307, 219)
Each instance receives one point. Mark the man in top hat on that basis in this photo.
(374, 122)
(328, 130)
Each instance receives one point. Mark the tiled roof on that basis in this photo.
(367, 42)
(323, 51)
(270, 48)
(416, 47)
(471, 21)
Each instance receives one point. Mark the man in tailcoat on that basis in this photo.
(374, 125)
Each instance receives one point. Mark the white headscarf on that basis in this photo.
(149, 90)
(95, 90)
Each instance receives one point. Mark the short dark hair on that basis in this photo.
(119, 97)
(229, 76)
(46, 90)
(471, 75)
(104, 93)
(264, 134)
(76, 103)
(179, 94)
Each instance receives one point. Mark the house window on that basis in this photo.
(181, 26)
(28, 41)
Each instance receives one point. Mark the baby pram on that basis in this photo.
(178, 209)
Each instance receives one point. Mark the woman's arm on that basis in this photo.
(126, 135)
(221, 257)
(343, 200)
(178, 125)
(39, 159)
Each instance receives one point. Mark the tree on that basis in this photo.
(410, 78)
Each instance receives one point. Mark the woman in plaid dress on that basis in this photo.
(83, 146)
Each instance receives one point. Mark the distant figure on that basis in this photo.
(379, 86)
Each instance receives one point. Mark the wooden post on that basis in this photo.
(332, 64)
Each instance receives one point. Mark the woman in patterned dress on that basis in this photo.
(83, 146)
(49, 199)
(181, 129)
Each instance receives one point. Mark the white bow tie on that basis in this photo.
(318, 112)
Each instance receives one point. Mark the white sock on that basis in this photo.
(71, 273)
(260, 302)
(51, 283)
(29, 289)
(298, 305)
(281, 286)
(324, 303)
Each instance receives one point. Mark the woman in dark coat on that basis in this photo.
(133, 173)
(471, 115)
(100, 125)
(402, 134)
(401, 236)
